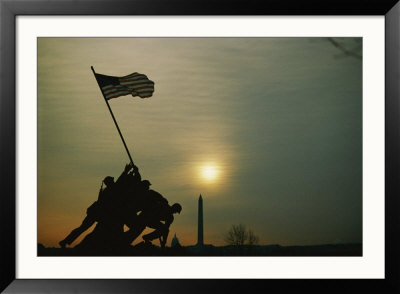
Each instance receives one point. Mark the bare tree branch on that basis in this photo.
(349, 52)
(239, 235)
(253, 239)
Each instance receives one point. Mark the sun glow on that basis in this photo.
(209, 172)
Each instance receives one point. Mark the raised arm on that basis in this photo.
(137, 174)
(124, 173)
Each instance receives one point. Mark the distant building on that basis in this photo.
(175, 241)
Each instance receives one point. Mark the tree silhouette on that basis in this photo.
(252, 238)
(239, 235)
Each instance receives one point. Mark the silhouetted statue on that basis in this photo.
(160, 219)
(130, 195)
(155, 212)
(102, 210)
(128, 201)
(136, 203)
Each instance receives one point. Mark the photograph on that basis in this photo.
(200, 146)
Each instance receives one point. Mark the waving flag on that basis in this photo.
(135, 84)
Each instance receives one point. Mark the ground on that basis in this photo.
(209, 250)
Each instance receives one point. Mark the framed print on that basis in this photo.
(149, 148)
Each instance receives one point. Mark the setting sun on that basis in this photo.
(209, 172)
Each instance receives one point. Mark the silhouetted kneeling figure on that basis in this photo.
(155, 212)
(100, 208)
(160, 219)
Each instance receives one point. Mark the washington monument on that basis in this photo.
(200, 223)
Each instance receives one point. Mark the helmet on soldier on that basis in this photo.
(146, 183)
(108, 180)
(176, 208)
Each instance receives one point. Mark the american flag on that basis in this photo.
(135, 84)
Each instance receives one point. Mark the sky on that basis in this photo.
(276, 122)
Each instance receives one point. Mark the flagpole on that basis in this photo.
(112, 115)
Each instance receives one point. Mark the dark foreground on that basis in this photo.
(210, 250)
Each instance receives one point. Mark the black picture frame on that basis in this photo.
(10, 9)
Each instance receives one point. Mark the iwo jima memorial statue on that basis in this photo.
(128, 201)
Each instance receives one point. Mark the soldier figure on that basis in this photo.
(154, 212)
(160, 219)
(100, 209)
